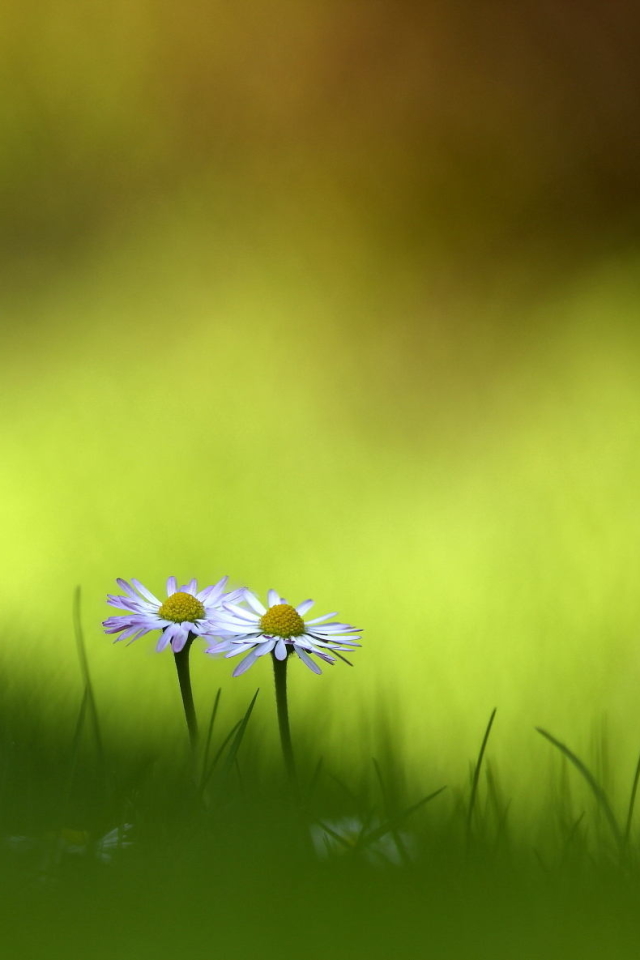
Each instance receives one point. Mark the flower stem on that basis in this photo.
(280, 677)
(184, 679)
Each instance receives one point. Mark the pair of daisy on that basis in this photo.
(228, 627)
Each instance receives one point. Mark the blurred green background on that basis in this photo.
(339, 298)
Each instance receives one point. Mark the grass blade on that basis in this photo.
(336, 836)
(395, 822)
(86, 676)
(207, 745)
(572, 833)
(219, 752)
(75, 747)
(632, 803)
(314, 779)
(343, 786)
(500, 809)
(242, 727)
(386, 799)
(597, 790)
(239, 730)
(476, 773)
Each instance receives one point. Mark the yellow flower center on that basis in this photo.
(282, 620)
(180, 607)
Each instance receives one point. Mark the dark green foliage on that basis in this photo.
(224, 865)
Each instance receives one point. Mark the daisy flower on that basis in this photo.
(184, 611)
(351, 835)
(280, 629)
(56, 847)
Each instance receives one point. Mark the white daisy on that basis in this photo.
(56, 846)
(184, 611)
(351, 835)
(279, 629)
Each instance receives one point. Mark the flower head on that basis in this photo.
(184, 611)
(57, 846)
(280, 629)
(355, 837)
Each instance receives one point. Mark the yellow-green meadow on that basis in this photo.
(341, 302)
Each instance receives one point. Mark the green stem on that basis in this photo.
(184, 679)
(280, 677)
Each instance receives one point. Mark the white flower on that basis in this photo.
(116, 839)
(184, 611)
(279, 629)
(53, 848)
(349, 835)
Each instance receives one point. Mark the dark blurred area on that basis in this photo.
(232, 872)
(476, 134)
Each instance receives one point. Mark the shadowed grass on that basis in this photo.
(632, 802)
(230, 857)
(232, 865)
(476, 776)
(89, 695)
(596, 788)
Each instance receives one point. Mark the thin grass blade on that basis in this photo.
(386, 799)
(315, 777)
(632, 803)
(207, 743)
(75, 745)
(336, 836)
(237, 740)
(476, 773)
(219, 752)
(84, 668)
(395, 822)
(597, 790)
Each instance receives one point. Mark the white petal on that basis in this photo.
(163, 642)
(234, 631)
(307, 659)
(140, 587)
(327, 616)
(242, 613)
(227, 619)
(304, 606)
(221, 647)
(129, 631)
(281, 650)
(123, 603)
(213, 594)
(127, 589)
(180, 637)
(172, 586)
(273, 598)
(337, 644)
(324, 656)
(253, 601)
(244, 665)
(233, 596)
(265, 647)
(237, 648)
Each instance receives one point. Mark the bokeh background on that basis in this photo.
(340, 298)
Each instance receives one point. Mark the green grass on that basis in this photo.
(222, 863)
